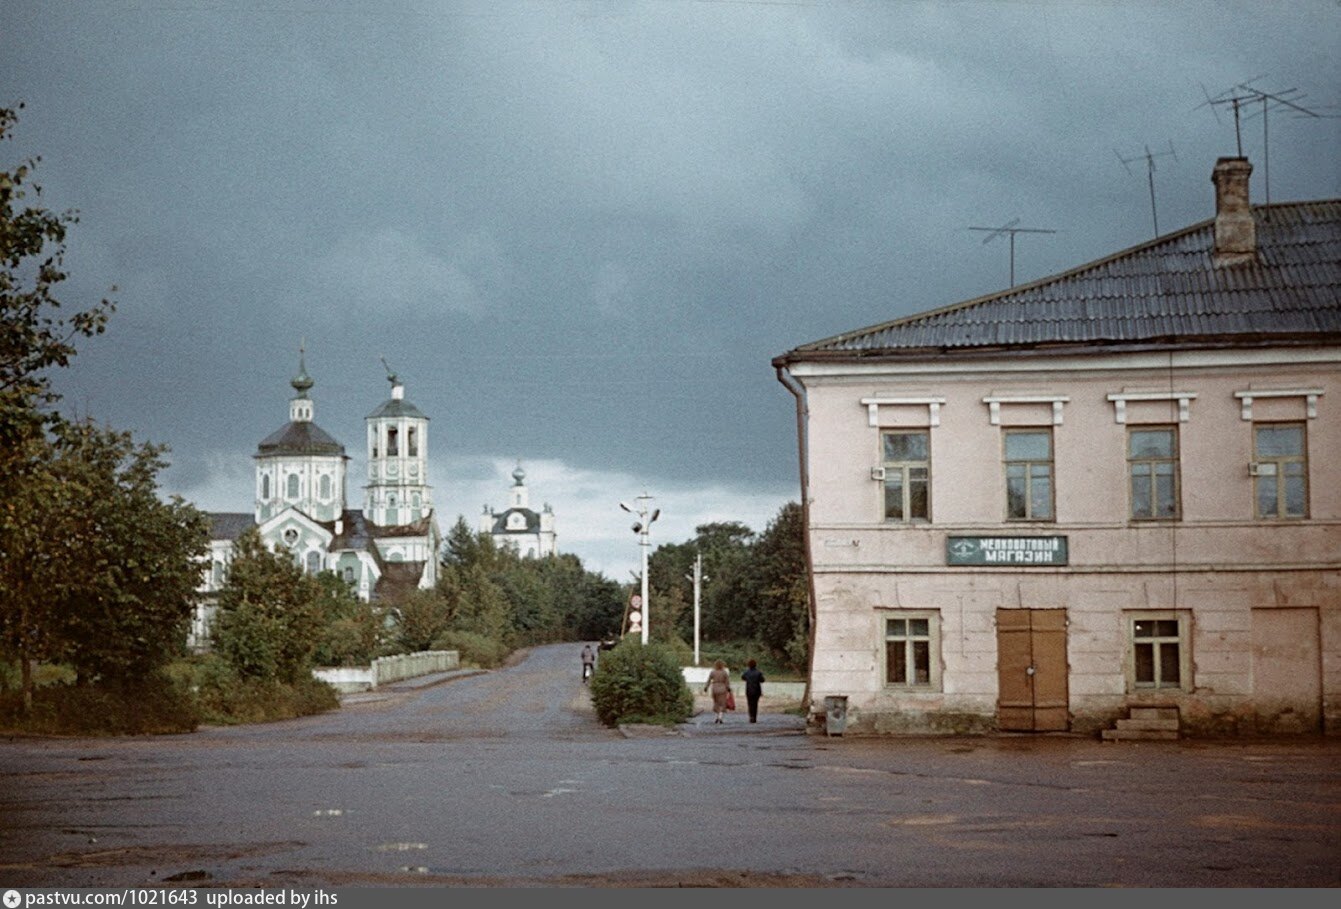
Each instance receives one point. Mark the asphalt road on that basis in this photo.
(506, 778)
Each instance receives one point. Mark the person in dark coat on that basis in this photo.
(754, 688)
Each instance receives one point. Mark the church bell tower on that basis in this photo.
(397, 492)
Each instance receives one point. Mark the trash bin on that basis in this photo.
(835, 713)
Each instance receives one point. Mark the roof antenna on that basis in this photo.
(1010, 228)
(1246, 93)
(1234, 97)
(1150, 173)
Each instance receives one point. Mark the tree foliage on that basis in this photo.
(637, 683)
(95, 570)
(352, 631)
(269, 618)
(34, 335)
(489, 600)
(755, 586)
(125, 603)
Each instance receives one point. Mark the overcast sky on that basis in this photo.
(580, 231)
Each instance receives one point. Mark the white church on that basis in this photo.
(389, 546)
(527, 532)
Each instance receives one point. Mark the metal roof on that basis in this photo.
(299, 438)
(500, 525)
(354, 532)
(229, 525)
(396, 407)
(398, 579)
(1166, 291)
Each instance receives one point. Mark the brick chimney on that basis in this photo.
(1235, 230)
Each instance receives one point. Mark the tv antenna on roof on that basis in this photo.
(1150, 174)
(1010, 228)
(1245, 93)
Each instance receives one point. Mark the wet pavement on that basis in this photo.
(506, 778)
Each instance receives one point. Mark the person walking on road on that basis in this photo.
(719, 686)
(754, 688)
(588, 662)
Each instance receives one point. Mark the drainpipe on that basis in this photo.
(802, 448)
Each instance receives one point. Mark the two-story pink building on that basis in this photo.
(1114, 488)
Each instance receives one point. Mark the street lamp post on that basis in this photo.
(644, 529)
(698, 577)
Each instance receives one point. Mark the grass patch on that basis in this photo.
(158, 707)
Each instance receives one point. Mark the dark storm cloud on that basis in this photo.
(580, 230)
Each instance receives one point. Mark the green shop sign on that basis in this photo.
(1008, 551)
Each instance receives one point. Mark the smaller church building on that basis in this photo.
(528, 532)
(388, 546)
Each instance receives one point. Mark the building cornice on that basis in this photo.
(958, 364)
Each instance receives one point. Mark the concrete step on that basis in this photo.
(1154, 713)
(1136, 724)
(1140, 735)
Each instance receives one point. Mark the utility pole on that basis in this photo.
(643, 528)
(698, 579)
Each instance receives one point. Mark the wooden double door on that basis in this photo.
(1032, 670)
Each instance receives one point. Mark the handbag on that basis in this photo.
(730, 699)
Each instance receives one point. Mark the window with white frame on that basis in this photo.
(907, 466)
(1152, 469)
(313, 562)
(1280, 470)
(1028, 457)
(293, 486)
(912, 649)
(1158, 651)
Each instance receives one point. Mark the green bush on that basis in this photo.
(474, 649)
(637, 684)
(155, 707)
(223, 697)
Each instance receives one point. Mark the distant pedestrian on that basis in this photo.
(588, 662)
(754, 688)
(719, 686)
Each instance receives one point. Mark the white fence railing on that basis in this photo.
(385, 670)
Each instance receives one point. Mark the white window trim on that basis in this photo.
(880, 473)
(1120, 399)
(932, 404)
(1310, 396)
(933, 616)
(1185, 666)
(994, 403)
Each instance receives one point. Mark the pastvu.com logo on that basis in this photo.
(12, 899)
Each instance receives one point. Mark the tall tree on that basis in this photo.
(781, 614)
(34, 336)
(126, 602)
(94, 568)
(269, 617)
